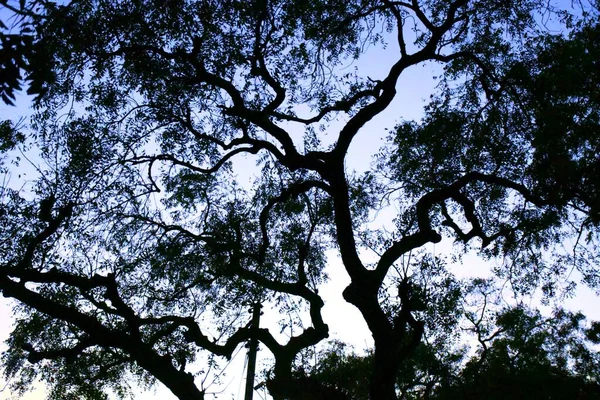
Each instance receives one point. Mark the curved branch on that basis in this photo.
(195, 168)
(202, 75)
(426, 233)
(294, 190)
(344, 105)
(310, 336)
(259, 66)
(68, 353)
(399, 27)
(388, 85)
(170, 228)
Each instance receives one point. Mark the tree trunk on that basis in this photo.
(383, 380)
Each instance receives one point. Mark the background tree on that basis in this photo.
(530, 357)
(134, 252)
(520, 355)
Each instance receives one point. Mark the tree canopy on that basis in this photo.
(137, 247)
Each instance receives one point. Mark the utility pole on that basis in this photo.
(252, 350)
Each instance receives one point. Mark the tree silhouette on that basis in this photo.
(22, 58)
(136, 250)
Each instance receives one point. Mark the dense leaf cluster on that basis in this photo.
(22, 57)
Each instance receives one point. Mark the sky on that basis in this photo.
(345, 323)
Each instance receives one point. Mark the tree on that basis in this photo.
(529, 356)
(519, 355)
(137, 230)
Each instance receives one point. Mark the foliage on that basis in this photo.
(20, 52)
(137, 249)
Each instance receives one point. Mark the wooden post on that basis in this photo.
(252, 350)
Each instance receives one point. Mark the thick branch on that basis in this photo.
(68, 353)
(179, 382)
(388, 85)
(399, 27)
(426, 233)
(344, 105)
